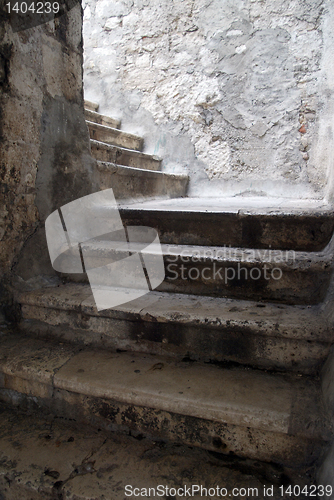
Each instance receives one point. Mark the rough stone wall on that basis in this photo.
(227, 90)
(44, 146)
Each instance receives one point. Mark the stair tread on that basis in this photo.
(125, 170)
(235, 205)
(135, 183)
(253, 223)
(114, 136)
(92, 106)
(283, 277)
(98, 118)
(123, 156)
(199, 253)
(105, 145)
(243, 397)
(113, 129)
(269, 319)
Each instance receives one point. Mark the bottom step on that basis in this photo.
(253, 414)
(44, 459)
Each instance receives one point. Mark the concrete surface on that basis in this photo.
(49, 458)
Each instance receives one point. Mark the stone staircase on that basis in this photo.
(122, 166)
(224, 361)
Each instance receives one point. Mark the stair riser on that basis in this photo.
(92, 116)
(253, 231)
(237, 344)
(246, 281)
(115, 137)
(261, 445)
(257, 281)
(141, 187)
(122, 157)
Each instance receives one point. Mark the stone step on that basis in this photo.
(95, 117)
(114, 136)
(253, 414)
(235, 222)
(130, 183)
(92, 106)
(60, 458)
(216, 330)
(128, 157)
(247, 274)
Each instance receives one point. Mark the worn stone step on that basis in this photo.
(95, 117)
(60, 458)
(244, 223)
(269, 336)
(114, 136)
(282, 276)
(92, 106)
(130, 183)
(128, 157)
(249, 274)
(254, 414)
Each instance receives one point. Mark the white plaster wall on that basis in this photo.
(236, 93)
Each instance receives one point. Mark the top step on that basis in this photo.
(92, 106)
